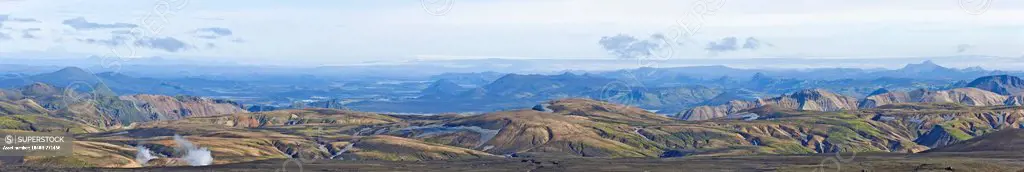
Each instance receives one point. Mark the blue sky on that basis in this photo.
(337, 32)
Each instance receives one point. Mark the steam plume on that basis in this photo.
(193, 155)
(143, 155)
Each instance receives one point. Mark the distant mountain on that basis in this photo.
(476, 78)
(926, 66)
(545, 86)
(926, 70)
(1002, 84)
(930, 70)
(99, 107)
(442, 88)
(63, 77)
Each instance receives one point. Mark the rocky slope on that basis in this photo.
(1009, 140)
(810, 100)
(985, 91)
(966, 96)
(1014, 101)
(98, 106)
(167, 107)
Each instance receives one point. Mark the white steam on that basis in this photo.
(143, 155)
(193, 155)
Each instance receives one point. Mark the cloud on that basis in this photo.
(217, 30)
(120, 37)
(729, 44)
(27, 33)
(963, 48)
(168, 44)
(753, 43)
(80, 23)
(7, 18)
(115, 40)
(123, 32)
(626, 46)
(726, 44)
(212, 32)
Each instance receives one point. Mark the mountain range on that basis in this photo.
(665, 90)
(981, 92)
(120, 131)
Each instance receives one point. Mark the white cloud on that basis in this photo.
(355, 31)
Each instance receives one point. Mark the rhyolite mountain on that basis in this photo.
(824, 100)
(967, 96)
(808, 100)
(566, 128)
(103, 108)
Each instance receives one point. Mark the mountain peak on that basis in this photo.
(71, 69)
(71, 73)
(1002, 84)
(928, 62)
(760, 77)
(39, 89)
(925, 66)
(442, 87)
(879, 91)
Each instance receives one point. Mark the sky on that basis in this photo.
(349, 31)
